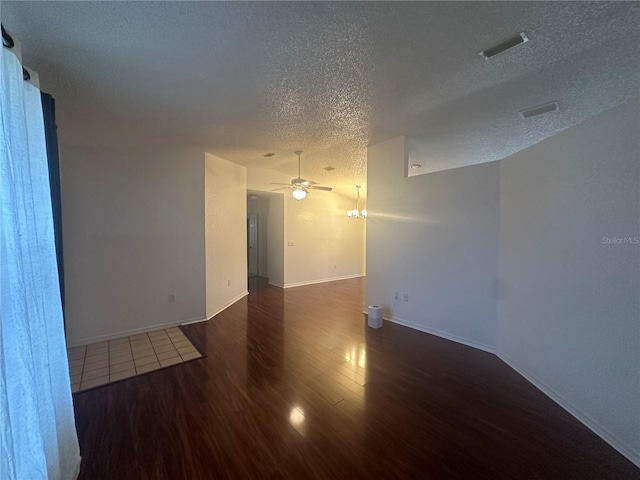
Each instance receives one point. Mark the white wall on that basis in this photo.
(435, 238)
(260, 207)
(275, 242)
(133, 234)
(225, 213)
(320, 242)
(569, 312)
(564, 309)
(327, 245)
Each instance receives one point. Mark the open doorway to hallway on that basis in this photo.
(252, 245)
(258, 208)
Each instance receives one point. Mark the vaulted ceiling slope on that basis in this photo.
(240, 79)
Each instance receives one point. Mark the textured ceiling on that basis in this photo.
(240, 79)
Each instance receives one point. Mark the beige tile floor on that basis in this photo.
(105, 362)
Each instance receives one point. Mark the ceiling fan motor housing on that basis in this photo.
(298, 181)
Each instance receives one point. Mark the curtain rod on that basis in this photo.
(7, 42)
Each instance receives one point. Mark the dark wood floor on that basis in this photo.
(295, 386)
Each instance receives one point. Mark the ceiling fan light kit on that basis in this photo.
(299, 185)
(299, 193)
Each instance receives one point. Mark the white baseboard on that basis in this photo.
(596, 428)
(133, 331)
(276, 284)
(197, 320)
(158, 326)
(215, 312)
(438, 333)
(587, 421)
(322, 280)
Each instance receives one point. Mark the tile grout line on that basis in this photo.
(174, 345)
(135, 366)
(108, 362)
(84, 362)
(201, 355)
(133, 357)
(153, 349)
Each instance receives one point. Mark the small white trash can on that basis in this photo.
(375, 316)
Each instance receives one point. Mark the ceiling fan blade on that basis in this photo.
(274, 183)
(317, 187)
(278, 189)
(309, 182)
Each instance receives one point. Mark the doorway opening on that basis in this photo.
(252, 245)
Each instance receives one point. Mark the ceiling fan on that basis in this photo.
(300, 186)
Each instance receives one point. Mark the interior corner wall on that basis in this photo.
(275, 242)
(225, 213)
(561, 222)
(320, 242)
(133, 226)
(434, 238)
(569, 309)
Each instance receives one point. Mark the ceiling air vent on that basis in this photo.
(504, 46)
(539, 110)
(268, 155)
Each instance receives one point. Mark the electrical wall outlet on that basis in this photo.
(171, 298)
(405, 297)
(395, 295)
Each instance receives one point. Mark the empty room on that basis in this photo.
(320, 240)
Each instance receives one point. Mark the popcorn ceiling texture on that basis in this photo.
(239, 79)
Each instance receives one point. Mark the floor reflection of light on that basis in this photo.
(296, 417)
(357, 356)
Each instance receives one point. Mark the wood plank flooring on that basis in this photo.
(295, 386)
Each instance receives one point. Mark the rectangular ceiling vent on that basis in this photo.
(539, 110)
(504, 46)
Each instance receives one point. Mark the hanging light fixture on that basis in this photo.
(299, 193)
(357, 213)
(300, 186)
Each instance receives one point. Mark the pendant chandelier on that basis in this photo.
(357, 213)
